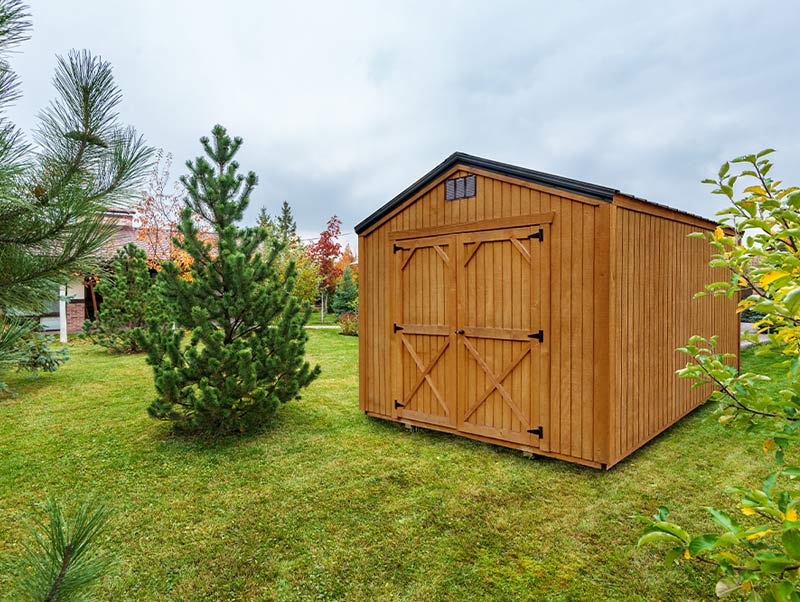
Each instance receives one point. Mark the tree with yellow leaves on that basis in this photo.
(158, 215)
(758, 243)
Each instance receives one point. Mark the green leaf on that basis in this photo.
(724, 169)
(774, 566)
(769, 482)
(783, 591)
(702, 543)
(672, 529)
(656, 537)
(765, 152)
(791, 543)
(792, 300)
(672, 556)
(724, 520)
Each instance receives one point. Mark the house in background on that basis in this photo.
(78, 301)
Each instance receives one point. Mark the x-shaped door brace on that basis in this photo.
(496, 382)
(426, 372)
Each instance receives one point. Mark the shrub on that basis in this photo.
(757, 553)
(749, 316)
(128, 300)
(349, 324)
(36, 354)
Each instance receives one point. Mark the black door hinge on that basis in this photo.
(539, 336)
(397, 404)
(397, 248)
(538, 431)
(395, 328)
(538, 234)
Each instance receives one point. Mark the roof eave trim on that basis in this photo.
(586, 189)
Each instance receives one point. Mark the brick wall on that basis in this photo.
(76, 313)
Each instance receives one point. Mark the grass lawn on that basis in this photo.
(313, 320)
(331, 505)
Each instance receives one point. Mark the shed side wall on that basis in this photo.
(571, 427)
(656, 270)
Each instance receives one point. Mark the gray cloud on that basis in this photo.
(344, 104)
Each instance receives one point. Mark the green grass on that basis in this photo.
(313, 320)
(331, 505)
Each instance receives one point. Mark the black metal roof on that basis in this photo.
(587, 189)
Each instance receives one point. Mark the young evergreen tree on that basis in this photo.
(345, 297)
(246, 352)
(286, 224)
(128, 299)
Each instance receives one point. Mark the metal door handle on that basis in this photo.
(459, 332)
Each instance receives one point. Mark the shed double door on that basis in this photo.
(469, 332)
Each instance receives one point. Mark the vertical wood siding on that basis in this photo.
(657, 270)
(572, 428)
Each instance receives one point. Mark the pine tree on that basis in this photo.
(128, 300)
(286, 225)
(245, 355)
(61, 560)
(345, 297)
(54, 193)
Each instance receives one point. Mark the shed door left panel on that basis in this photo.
(423, 346)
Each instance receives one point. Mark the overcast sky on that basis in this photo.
(343, 104)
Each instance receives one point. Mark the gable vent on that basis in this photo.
(459, 188)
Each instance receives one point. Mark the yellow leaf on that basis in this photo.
(686, 555)
(718, 233)
(729, 556)
(791, 515)
(755, 190)
(771, 277)
(746, 586)
(758, 534)
(747, 511)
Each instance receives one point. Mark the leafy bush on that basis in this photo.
(37, 355)
(60, 561)
(758, 243)
(349, 324)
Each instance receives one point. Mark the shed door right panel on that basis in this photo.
(502, 325)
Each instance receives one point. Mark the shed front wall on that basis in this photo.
(575, 418)
(656, 270)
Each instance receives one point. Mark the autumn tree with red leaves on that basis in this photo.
(325, 252)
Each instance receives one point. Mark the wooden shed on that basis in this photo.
(532, 311)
